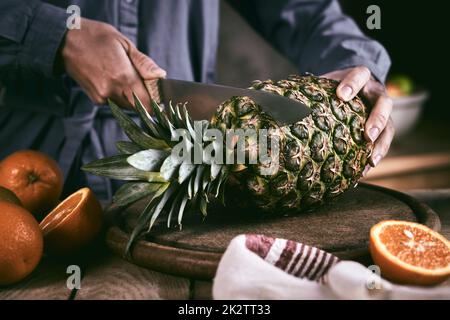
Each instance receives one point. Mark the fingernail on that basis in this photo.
(159, 71)
(373, 133)
(376, 159)
(346, 92)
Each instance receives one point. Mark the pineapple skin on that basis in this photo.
(321, 156)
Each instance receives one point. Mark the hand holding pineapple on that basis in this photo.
(379, 127)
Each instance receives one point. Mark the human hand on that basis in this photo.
(379, 127)
(106, 64)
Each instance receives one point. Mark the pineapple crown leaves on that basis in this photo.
(154, 172)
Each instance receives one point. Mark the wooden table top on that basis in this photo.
(105, 276)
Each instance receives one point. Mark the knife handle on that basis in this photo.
(153, 89)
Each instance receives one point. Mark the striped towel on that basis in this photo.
(260, 267)
(295, 258)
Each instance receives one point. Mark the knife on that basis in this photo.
(203, 99)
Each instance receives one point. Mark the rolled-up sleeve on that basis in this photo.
(30, 34)
(318, 36)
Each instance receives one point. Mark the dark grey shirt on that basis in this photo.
(49, 112)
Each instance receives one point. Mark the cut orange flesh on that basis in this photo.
(410, 253)
(73, 223)
(62, 211)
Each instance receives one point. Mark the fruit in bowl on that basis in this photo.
(399, 86)
(408, 103)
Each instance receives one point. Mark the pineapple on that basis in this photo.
(319, 157)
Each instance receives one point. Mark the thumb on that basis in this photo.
(145, 66)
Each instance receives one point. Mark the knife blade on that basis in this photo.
(203, 99)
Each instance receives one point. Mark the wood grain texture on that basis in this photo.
(341, 227)
(115, 278)
(48, 281)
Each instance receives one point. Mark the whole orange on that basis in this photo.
(34, 177)
(21, 243)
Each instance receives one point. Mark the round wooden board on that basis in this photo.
(341, 227)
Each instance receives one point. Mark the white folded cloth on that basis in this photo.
(260, 267)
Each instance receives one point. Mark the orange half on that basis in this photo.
(410, 253)
(73, 223)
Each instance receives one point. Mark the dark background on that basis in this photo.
(414, 33)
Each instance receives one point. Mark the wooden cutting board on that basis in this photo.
(341, 227)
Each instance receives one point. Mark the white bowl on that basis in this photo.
(406, 112)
